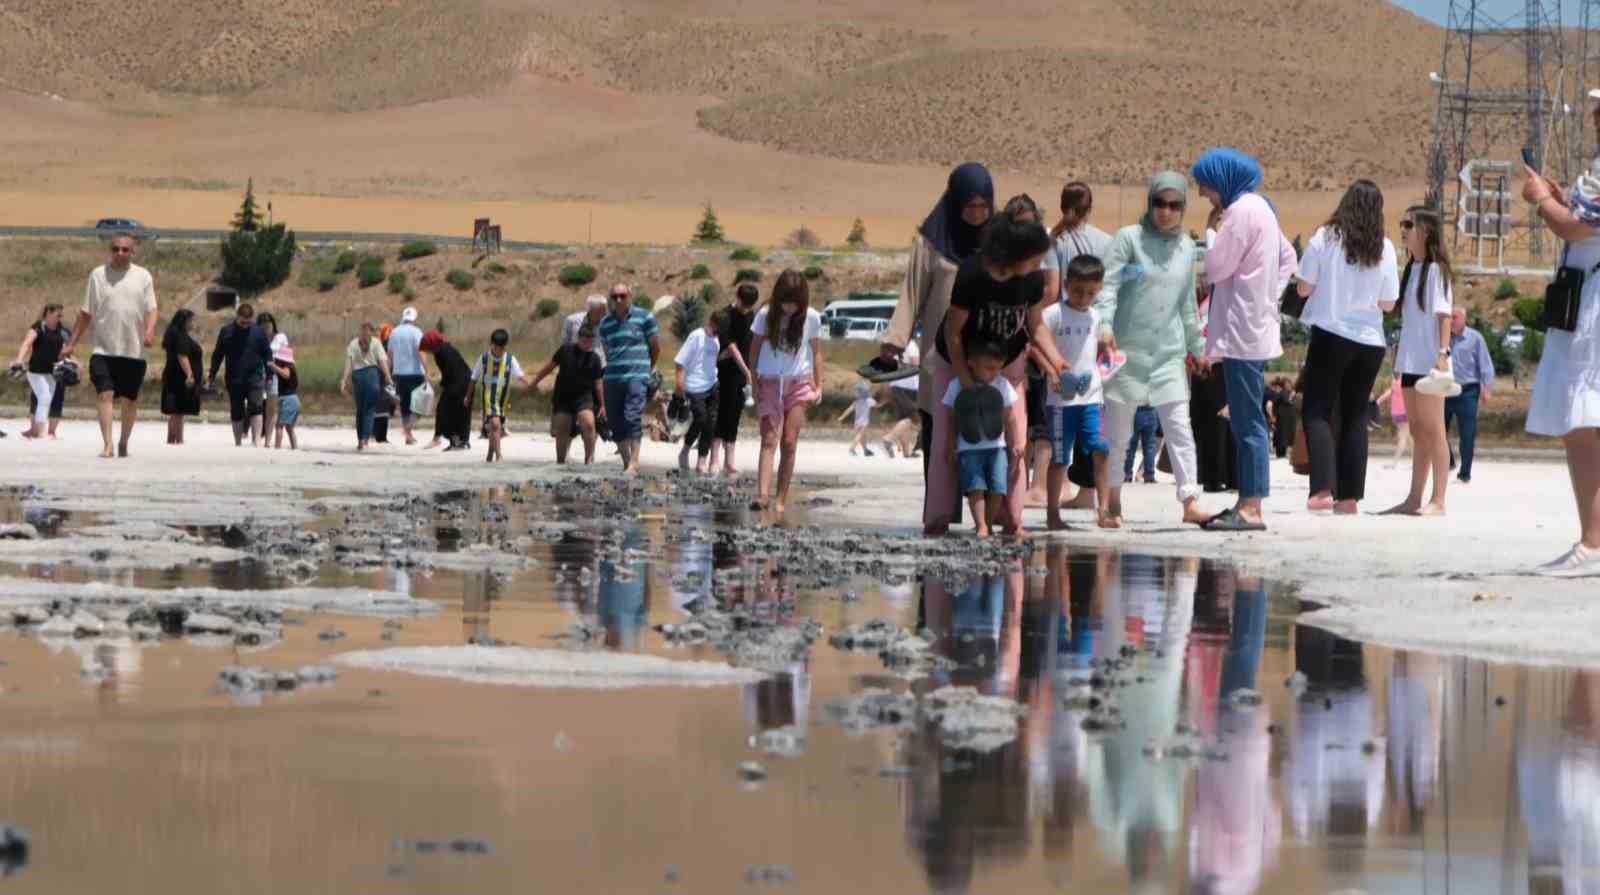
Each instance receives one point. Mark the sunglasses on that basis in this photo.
(619, 298)
(121, 250)
(1163, 205)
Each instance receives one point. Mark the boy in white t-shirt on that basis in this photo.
(983, 441)
(862, 408)
(696, 372)
(1075, 399)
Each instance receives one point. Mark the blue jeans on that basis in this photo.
(368, 385)
(1075, 425)
(1145, 425)
(625, 408)
(1246, 383)
(983, 470)
(1246, 636)
(1464, 407)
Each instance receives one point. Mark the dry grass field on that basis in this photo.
(421, 114)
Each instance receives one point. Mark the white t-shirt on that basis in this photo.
(1345, 301)
(773, 362)
(912, 356)
(1419, 330)
(405, 350)
(863, 408)
(118, 301)
(698, 358)
(1008, 398)
(1078, 341)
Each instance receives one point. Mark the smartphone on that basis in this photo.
(1528, 159)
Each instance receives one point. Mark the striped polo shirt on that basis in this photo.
(627, 344)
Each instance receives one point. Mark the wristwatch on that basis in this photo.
(1444, 352)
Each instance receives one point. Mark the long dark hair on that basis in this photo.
(1359, 223)
(790, 286)
(1077, 200)
(1434, 252)
(177, 329)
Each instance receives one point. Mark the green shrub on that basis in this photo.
(460, 279)
(370, 271)
(688, 315)
(494, 268)
(745, 253)
(813, 272)
(418, 248)
(746, 274)
(327, 282)
(574, 275)
(858, 235)
(410, 294)
(345, 263)
(1533, 345)
(699, 272)
(1528, 312)
(709, 229)
(547, 307)
(710, 293)
(1506, 289)
(254, 261)
(397, 283)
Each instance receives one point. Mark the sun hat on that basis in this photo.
(409, 315)
(1440, 384)
(283, 353)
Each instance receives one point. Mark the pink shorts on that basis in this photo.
(777, 395)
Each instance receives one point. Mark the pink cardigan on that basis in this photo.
(1248, 264)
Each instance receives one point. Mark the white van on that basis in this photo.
(836, 317)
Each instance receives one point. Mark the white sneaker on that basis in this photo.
(1579, 562)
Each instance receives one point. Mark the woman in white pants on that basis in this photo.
(41, 349)
(1147, 310)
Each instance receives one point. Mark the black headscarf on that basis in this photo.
(944, 229)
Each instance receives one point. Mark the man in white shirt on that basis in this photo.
(119, 306)
(405, 364)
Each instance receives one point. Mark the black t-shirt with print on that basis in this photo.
(996, 311)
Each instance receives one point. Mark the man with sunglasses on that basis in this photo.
(119, 306)
(629, 335)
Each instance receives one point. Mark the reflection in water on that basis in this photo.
(624, 596)
(1558, 774)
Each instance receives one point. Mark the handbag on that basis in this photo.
(1290, 303)
(422, 399)
(1563, 295)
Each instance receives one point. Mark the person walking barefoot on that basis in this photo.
(788, 379)
(119, 306)
(1425, 302)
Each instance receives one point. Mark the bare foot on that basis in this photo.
(433, 444)
(1345, 508)
(1035, 499)
(777, 509)
(1193, 515)
(983, 534)
(1319, 503)
(1431, 509)
(1109, 521)
(1055, 523)
(1084, 500)
(108, 454)
(1404, 509)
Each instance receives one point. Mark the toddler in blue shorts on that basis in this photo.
(983, 440)
(1075, 398)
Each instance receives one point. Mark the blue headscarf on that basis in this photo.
(944, 229)
(1228, 171)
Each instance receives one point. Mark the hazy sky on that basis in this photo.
(1498, 9)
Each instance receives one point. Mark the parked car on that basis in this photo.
(835, 315)
(128, 224)
(866, 329)
(1516, 334)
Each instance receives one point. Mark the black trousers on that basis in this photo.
(1213, 437)
(730, 405)
(1339, 378)
(703, 410)
(453, 419)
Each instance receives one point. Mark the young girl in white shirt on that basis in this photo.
(1425, 304)
(788, 378)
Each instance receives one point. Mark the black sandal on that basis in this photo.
(1229, 520)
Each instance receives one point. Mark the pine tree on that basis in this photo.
(709, 230)
(248, 219)
(858, 234)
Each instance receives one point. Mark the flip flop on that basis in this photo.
(1230, 520)
(874, 373)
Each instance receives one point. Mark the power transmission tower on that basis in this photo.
(1503, 85)
(1581, 135)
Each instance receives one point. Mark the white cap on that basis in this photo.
(409, 315)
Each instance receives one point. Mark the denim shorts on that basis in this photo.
(1075, 425)
(288, 410)
(625, 408)
(983, 470)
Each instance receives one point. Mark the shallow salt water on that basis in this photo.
(133, 770)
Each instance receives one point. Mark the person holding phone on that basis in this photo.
(1566, 388)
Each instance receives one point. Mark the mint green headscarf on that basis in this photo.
(1166, 180)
